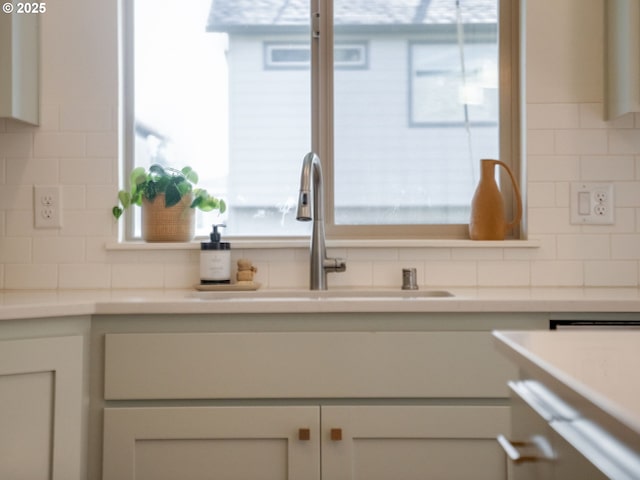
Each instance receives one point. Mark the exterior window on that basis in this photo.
(400, 100)
(292, 56)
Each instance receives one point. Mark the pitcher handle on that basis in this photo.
(518, 215)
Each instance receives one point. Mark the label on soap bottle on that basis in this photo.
(215, 266)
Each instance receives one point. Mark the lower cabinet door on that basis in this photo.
(193, 443)
(41, 408)
(413, 442)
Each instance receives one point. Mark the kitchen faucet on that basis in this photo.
(320, 264)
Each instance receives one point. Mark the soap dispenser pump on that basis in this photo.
(215, 259)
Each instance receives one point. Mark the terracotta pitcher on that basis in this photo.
(488, 220)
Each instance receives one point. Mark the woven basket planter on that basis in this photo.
(173, 224)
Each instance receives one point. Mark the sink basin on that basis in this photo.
(344, 294)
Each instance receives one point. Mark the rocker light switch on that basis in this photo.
(584, 203)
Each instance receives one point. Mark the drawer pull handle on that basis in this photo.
(336, 434)
(512, 450)
(304, 434)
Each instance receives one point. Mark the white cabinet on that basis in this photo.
(258, 443)
(334, 442)
(412, 442)
(622, 67)
(376, 405)
(19, 62)
(41, 408)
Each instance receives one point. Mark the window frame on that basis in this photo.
(509, 141)
(322, 122)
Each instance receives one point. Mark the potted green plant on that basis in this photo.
(168, 198)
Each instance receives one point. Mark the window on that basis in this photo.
(417, 93)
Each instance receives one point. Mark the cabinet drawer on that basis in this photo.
(303, 365)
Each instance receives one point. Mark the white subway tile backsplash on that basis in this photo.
(606, 168)
(30, 276)
(611, 274)
(587, 247)
(452, 273)
(18, 145)
(41, 171)
(85, 118)
(557, 273)
(137, 276)
(590, 141)
(553, 115)
(504, 274)
(624, 141)
(541, 194)
(15, 250)
(85, 276)
(59, 144)
(58, 250)
(544, 168)
(76, 146)
(625, 247)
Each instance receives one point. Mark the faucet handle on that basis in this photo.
(335, 265)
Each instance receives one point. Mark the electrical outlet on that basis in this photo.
(47, 206)
(592, 203)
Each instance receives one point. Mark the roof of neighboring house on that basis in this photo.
(226, 15)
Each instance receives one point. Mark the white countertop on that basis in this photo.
(599, 369)
(35, 304)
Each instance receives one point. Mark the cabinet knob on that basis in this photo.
(336, 434)
(304, 434)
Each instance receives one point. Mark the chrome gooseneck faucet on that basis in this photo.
(320, 264)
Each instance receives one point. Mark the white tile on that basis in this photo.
(624, 142)
(589, 247)
(512, 274)
(87, 171)
(358, 274)
(625, 247)
(572, 142)
(16, 144)
(84, 276)
(288, 274)
(477, 254)
(58, 250)
(553, 115)
(557, 273)
(137, 276)
(592, 115)
(181, 275)
(15, 249)
(35, 171)
(611, 274)
(607, 168)
(541, 142)
(85, 118)
(627, 194)
(541, 194)
(550, 220)
(49, 144)
(30, 276)
(102, 144)
(424, 253)
(554, 168)
(450, 273)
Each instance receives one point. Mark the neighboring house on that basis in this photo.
(401, 129)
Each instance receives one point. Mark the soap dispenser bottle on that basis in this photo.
(215, 260)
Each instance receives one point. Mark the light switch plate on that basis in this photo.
(592, 203)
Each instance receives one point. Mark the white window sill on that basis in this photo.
(304, 243)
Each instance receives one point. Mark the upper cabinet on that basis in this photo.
(622, 57)
(19, 59)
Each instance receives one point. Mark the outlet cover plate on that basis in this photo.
(47, 206)
(592, 203)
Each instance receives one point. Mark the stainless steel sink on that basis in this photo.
(340, 294)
